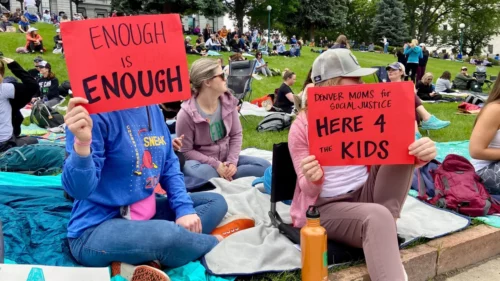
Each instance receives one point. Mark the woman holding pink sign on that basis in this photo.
(358, 204)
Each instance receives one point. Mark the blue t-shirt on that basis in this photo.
(131, 153)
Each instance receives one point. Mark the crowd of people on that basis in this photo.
(239, 42)
(202, 138)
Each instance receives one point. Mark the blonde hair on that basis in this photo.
(202, 70)
(414, 43)
(426, 76)
(287, 74)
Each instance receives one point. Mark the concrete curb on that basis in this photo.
(439, 256)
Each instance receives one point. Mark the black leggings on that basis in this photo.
(411, 71)
(33, 47)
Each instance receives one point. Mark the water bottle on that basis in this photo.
(313, 242)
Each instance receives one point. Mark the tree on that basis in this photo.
(390, 22)
(360, 20)
(282, 15)
(316, 14)
(424, 16)
(482, 22)
(211, 8)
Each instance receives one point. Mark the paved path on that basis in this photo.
(488, 271)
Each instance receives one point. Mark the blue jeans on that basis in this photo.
(386, 47)
(248, 166)
(138, 242)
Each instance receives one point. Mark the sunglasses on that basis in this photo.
(221, 76)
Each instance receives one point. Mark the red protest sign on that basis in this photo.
(124, 62)
(366, 124)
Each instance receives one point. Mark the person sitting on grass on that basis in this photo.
(24, 25)
(341, 43)
(5, 24)
(49, 85)
(58, 42)
(213, 44)
(35, 72)
(13, 97)
(200, 43)
(263, 47)
(117, 219)
(212, 130)
(261, 65)
(284, 96)
(443, 84)
(463, 80)
(358, 206)
(34, 41)
(425, 89)
(428, 121)
(484, 146)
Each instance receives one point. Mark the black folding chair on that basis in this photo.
(239, 80)
(282, 188)
(381, 74)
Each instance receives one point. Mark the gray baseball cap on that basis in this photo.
(337, 63)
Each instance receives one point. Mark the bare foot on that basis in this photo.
(219, 237)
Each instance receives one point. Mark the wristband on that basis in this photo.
(83, 143)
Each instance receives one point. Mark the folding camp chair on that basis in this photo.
(490, 82)
(239, 80)
(283, 183)
(381, 75)
(480, 78)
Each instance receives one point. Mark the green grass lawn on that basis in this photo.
(459, 129)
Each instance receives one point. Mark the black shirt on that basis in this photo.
(282, 101)
(423, 61)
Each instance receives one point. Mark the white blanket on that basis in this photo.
(264, 249)
(252, 109)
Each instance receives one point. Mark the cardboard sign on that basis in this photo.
(124, 62)
(366, 124)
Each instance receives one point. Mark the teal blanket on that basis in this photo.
(35, 214)
(452, 147)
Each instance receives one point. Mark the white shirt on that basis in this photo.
(340, 180)
(495, 143)
(6, 93)
(29, 3)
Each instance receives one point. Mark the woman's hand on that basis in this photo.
(311, 168)
(222, 170)
(424, 149)
(190, 222)
(78, 121)
(177, 143)
(230, 171)
(432, 94)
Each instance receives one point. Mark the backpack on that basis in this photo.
(37, 159)
(275, 122)
(44, 116)
(475, 99)
(459, 188)
(64, 89)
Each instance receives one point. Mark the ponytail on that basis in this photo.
(287, 74)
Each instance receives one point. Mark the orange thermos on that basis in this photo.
(313, 241)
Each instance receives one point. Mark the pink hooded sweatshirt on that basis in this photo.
(198, 145)
(306, 192)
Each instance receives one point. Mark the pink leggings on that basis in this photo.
(364, 218)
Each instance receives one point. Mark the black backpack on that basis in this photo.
(275, 122)
(44, 116)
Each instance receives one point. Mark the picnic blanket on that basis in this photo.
(264, 249)
(452, 147)
(32, 130)
(35, 214)
(252, 109)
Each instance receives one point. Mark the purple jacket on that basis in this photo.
(198, 145)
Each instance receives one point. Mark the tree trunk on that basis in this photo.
(311, 32)
(239, 12)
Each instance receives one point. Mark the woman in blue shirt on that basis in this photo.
(115, 161)
(414, 53)
(24, 24)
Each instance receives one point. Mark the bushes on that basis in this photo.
(493, 61)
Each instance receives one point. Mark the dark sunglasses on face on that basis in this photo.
(221, 76)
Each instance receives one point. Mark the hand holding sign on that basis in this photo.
(362, 125)
(124, 62)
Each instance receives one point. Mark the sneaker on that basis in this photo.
(418, 135)
(233, 224)
(138, 273)
(434, 124)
